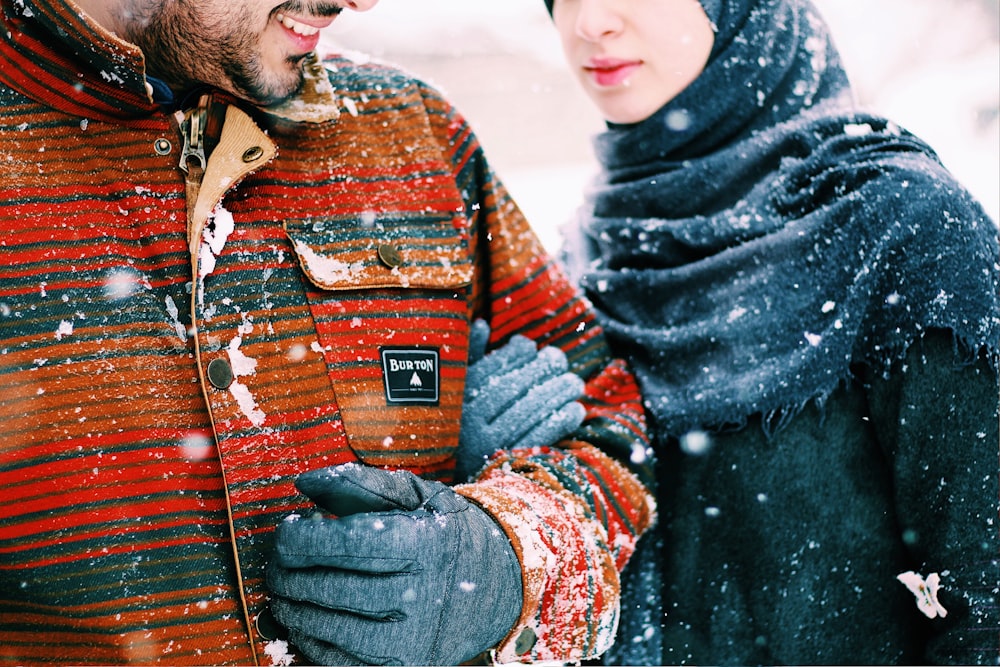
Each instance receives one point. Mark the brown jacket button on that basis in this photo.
(389, 255)
(220, 373)
(525, 641)
(253, 154)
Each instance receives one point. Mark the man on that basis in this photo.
(228, 270)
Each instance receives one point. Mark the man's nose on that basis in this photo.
(360, 5)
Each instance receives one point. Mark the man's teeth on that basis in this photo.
(296, 27)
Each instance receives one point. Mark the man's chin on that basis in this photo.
(274, 91)
(271, 97)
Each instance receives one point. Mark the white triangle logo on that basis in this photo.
(415, 381)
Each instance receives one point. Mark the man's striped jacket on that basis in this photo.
(175, 350)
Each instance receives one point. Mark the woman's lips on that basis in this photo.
(303, 32)
(608, 72)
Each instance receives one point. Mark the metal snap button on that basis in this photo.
(253, 154)
(220, 373)
(162, 146)
(266, 625)
(389, 255)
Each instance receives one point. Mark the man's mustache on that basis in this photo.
(310, 8)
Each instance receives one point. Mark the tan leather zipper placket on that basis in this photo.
(242, 148)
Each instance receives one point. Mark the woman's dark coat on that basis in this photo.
(810, 302)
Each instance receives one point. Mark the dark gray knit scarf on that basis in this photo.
(753, 239)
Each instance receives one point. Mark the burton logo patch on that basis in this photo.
(412, 375)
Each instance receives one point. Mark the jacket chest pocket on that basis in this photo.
(390, 303)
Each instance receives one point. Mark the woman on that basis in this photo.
(810, 301)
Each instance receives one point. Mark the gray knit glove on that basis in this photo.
(410, 574)
(515, 396)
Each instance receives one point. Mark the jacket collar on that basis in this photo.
(52, 53)
(56, 56)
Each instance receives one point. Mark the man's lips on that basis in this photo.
(302, 30)
(607, 72)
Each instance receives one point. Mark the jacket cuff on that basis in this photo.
(569, 579)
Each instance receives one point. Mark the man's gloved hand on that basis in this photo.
(516, 396)
(410, 574)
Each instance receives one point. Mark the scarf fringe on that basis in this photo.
(968, 350)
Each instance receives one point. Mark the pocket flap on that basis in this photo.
(389, 250)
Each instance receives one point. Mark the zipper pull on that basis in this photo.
(194, 137)
(193, 163)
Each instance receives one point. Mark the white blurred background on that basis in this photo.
(933, 66)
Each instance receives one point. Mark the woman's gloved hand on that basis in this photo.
(515, 396)
(410, 573)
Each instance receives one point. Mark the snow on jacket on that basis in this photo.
(169, 364)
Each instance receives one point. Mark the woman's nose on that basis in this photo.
(596, 19)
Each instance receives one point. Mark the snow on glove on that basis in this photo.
(411, 573)
(516, 396)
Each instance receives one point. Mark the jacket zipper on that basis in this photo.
(193, 129)
(193, 159)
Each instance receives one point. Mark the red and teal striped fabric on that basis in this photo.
(137, 499)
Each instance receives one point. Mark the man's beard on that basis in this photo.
(187, 52)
